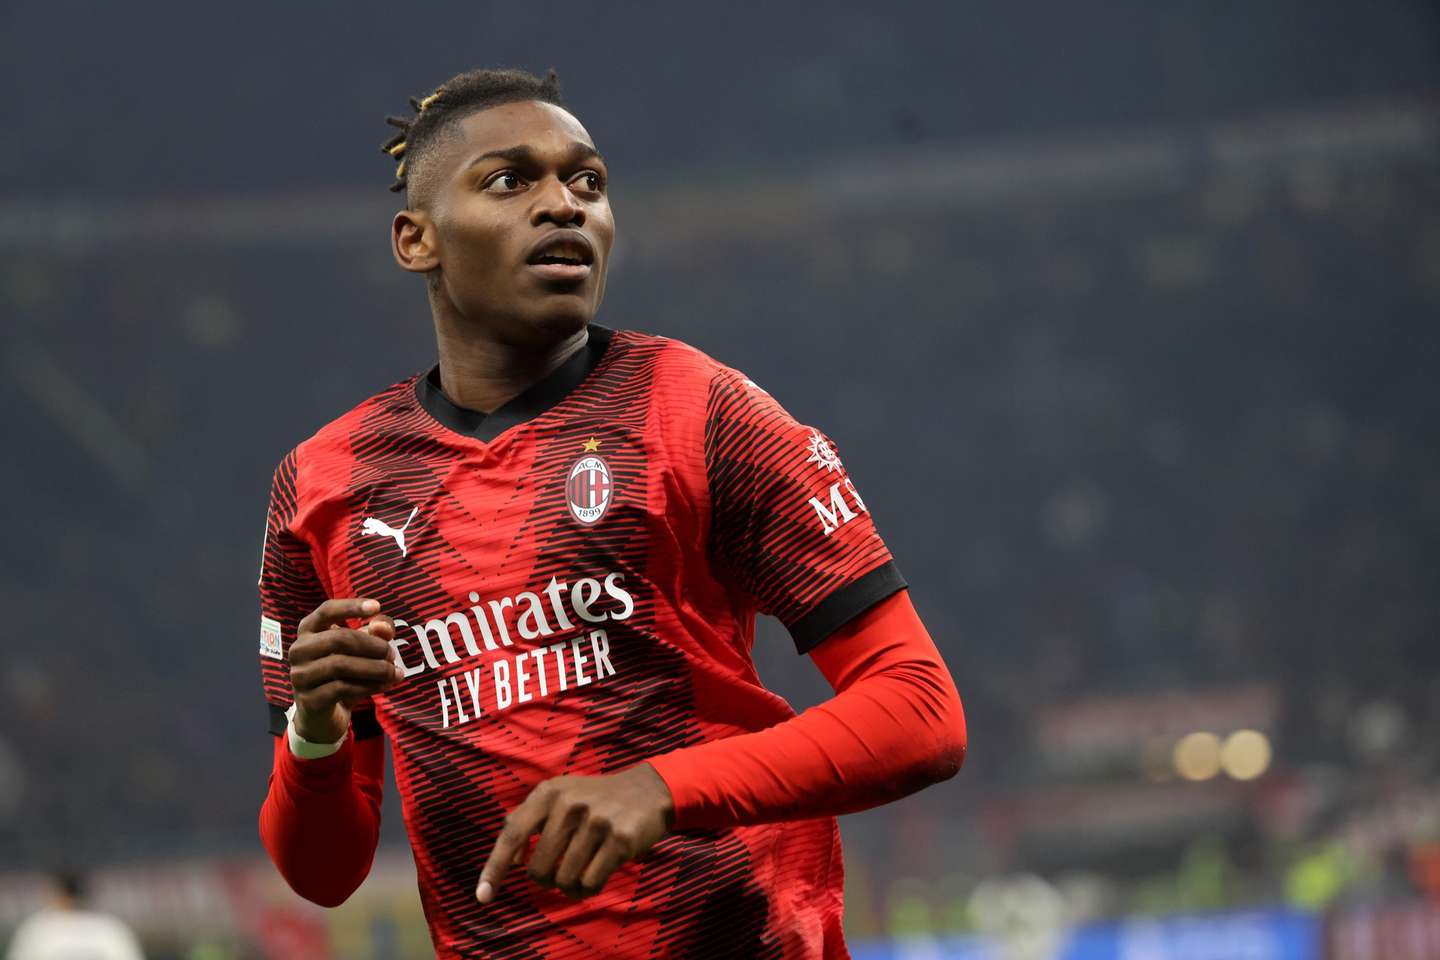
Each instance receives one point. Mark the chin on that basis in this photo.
(561, 324)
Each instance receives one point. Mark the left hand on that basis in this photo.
(588, 827)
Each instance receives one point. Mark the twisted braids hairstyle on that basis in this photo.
(437, 113)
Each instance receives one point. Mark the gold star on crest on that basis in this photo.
(591, 445)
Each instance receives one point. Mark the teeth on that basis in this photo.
(564, 256)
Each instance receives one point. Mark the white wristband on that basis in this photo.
(308, 749)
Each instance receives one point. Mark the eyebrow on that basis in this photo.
(523, 154)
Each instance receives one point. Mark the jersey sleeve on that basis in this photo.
(289, 590)
(788, 526)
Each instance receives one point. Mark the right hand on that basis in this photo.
(333, 666)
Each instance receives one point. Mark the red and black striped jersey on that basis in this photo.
(574, 579)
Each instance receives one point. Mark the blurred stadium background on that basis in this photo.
(1124, 317)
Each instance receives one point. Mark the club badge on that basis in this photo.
(588, 486)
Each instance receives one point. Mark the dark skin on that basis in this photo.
(499, 327)
(506, 178)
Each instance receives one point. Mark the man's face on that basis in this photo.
(515, 177)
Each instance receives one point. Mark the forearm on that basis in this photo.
(320, 821)
(895, 725)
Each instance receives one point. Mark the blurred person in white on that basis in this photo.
(65, 930)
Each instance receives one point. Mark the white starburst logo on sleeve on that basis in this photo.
(823, 454)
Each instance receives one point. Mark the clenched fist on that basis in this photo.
(333, 666)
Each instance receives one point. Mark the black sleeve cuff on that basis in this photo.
(278, 721)
(362, 723)
(844, 605)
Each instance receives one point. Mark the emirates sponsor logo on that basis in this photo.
(486, 626)
(501, 653)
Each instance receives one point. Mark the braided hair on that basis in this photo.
(456, 98)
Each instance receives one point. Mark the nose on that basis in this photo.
(555, 204)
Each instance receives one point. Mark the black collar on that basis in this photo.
(533, 401)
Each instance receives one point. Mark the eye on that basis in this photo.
(505, 181)
(591, 181)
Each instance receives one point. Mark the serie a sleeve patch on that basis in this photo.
(270, 645)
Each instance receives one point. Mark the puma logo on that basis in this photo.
(371, 527)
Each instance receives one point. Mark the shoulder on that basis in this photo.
(685, 387)
(326, 457)
(677, 366)
(389, 408)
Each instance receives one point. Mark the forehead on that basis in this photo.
(543, 127)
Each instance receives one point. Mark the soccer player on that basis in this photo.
(535, 569)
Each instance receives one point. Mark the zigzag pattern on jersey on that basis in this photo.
(716, 911)
(456, 798)
(646, 708)
(287, 577)
(765, 534)
(610, 406)
(696, 895)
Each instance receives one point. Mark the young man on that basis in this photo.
(536, 570)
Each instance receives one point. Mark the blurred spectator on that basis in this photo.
(65, 930)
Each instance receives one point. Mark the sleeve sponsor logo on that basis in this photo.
(823, 454)
(837, 512)
(270, 645)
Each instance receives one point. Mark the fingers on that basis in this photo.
(368, 673)
(554, 841)
(613, 852)
(381, 626)
(331, 663)
(332, 612)
(591, 826)
(583, 844)
(520, 824)
(324, 697)
(340, 640)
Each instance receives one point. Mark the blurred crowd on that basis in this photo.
(1139, 419)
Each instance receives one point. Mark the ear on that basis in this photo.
(412, 241)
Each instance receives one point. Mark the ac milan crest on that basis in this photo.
(589, 486)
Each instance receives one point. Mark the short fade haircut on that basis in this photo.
(452, 101)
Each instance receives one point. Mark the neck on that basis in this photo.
(480, 372)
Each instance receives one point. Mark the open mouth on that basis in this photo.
(574, 261)
(563, 254)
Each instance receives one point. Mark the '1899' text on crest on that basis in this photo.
(588, 489)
